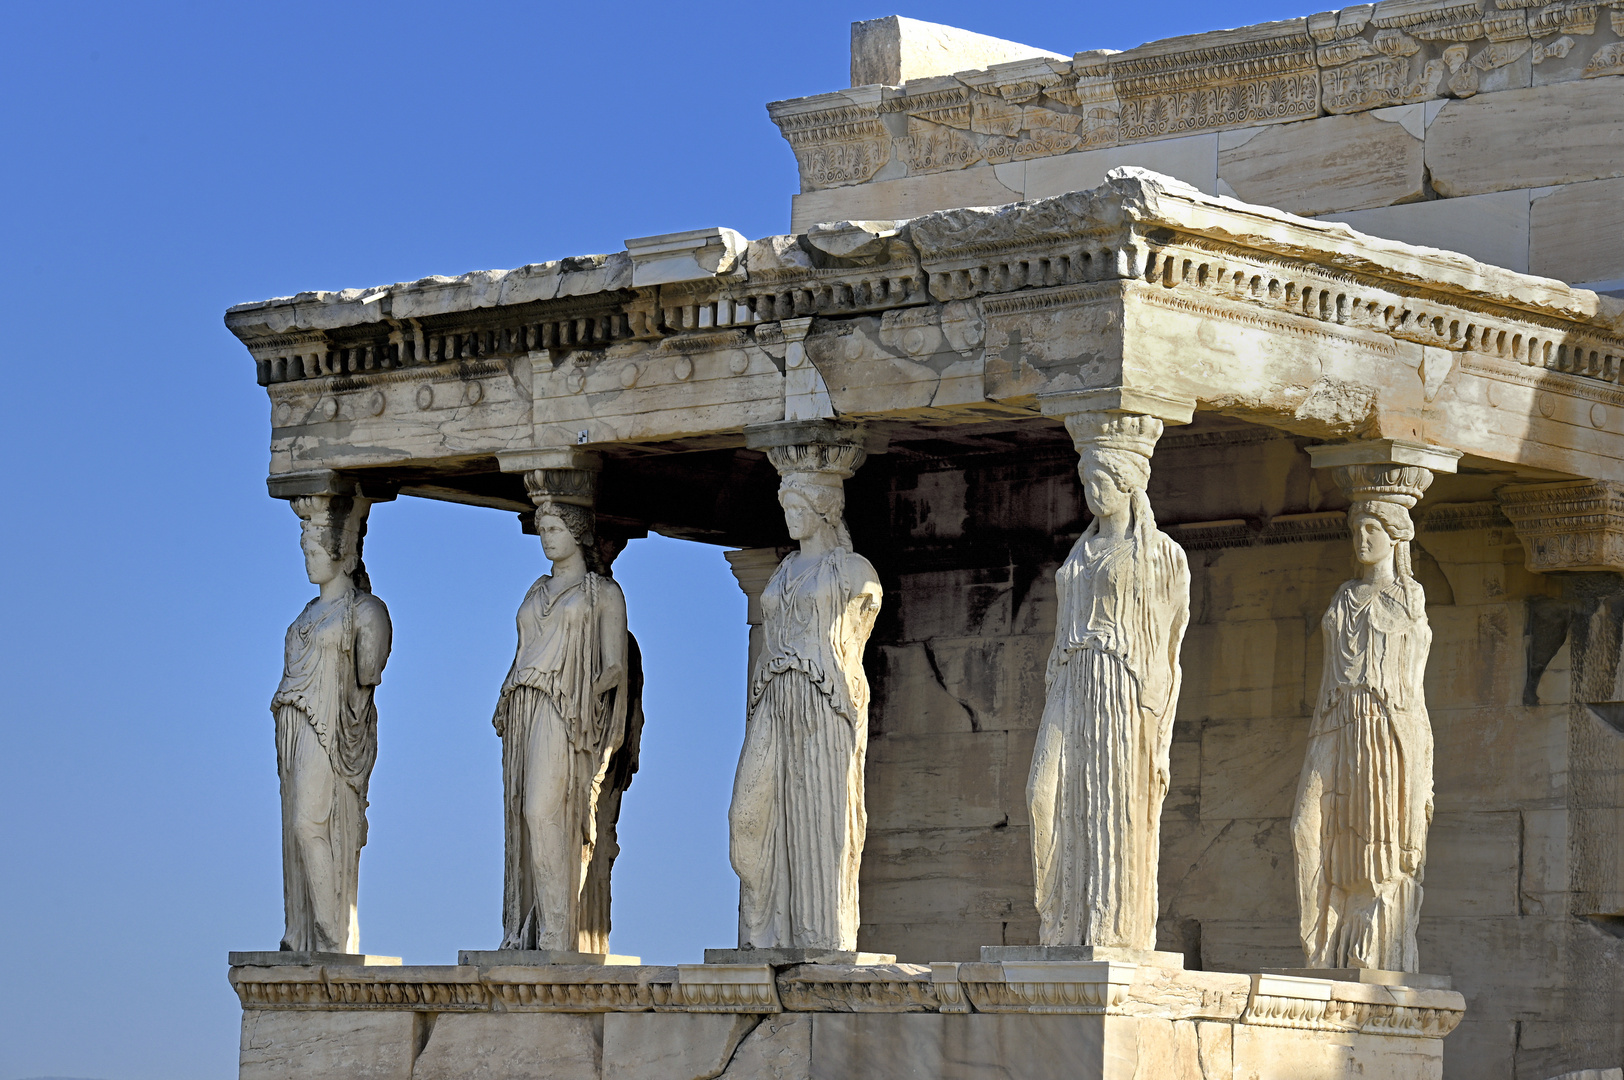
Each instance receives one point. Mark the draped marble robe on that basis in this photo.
(557, 740)
(798, 819)
(1365, 797)
(1099, 770)
(326, 743)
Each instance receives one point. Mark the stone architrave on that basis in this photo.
(1364, 801)
(797, 820)
(1100, 768)
(327, 727)
(562, 716)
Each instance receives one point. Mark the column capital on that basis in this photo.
(824, 432)
(1437, 459)
(1119, 399)
(753, 568)
(1568, 525)
(328, 482)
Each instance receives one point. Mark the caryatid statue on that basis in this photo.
(1100, 767)
(1364, 801)
(562, 715)
(327, 727)
(797, 821)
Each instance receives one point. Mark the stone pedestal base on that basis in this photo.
(1373, 976)
(533, 957)
(1015, 1020)
(788, 957)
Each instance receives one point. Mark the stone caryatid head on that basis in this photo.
(1114, 462)
(1385, 494)
(815, 475)
(568, 495)
(332, 529)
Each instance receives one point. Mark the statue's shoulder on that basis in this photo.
(369, 609)
(1170, 548)
(855, 569)
(608, 589)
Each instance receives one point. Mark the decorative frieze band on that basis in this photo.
(1570, 525)
(1290, 1001)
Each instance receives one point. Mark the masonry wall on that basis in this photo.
(1519, 855)
(1498, 133)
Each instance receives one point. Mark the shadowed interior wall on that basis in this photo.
(1527, 773)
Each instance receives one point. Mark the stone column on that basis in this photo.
(1100, 767)
(560, 913)
(326, 722)
(753, 567)
(797, 820)
(1364, 801)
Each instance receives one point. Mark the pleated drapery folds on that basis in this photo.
(558, 736)
(1099, 769)
(1364, 802)
(798, 819)
(326, 743)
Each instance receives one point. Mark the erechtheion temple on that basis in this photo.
(1179, 498)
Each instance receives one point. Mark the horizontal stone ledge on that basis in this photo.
(1080, 988)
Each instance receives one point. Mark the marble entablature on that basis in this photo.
(959, 317)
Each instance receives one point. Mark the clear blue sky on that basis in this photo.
(162, 162)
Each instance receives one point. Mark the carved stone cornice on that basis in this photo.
(1085, 987)
(883, 988)
(1569, 525)
(1323, 1005)
(727, 988)
(837, 138)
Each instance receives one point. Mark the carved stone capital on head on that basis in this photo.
(1401, 484)
(564, 475)
(1568, 525)
(1385, 476)
(1092, 432)
(833, 448)
(1384, 470)
(343, 512)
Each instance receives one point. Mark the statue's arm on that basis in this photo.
(499, 717)
(373, 636)
(1178, 598)
(611, 639)
(863, 586)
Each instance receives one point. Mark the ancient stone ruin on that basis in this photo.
(1179, 498)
